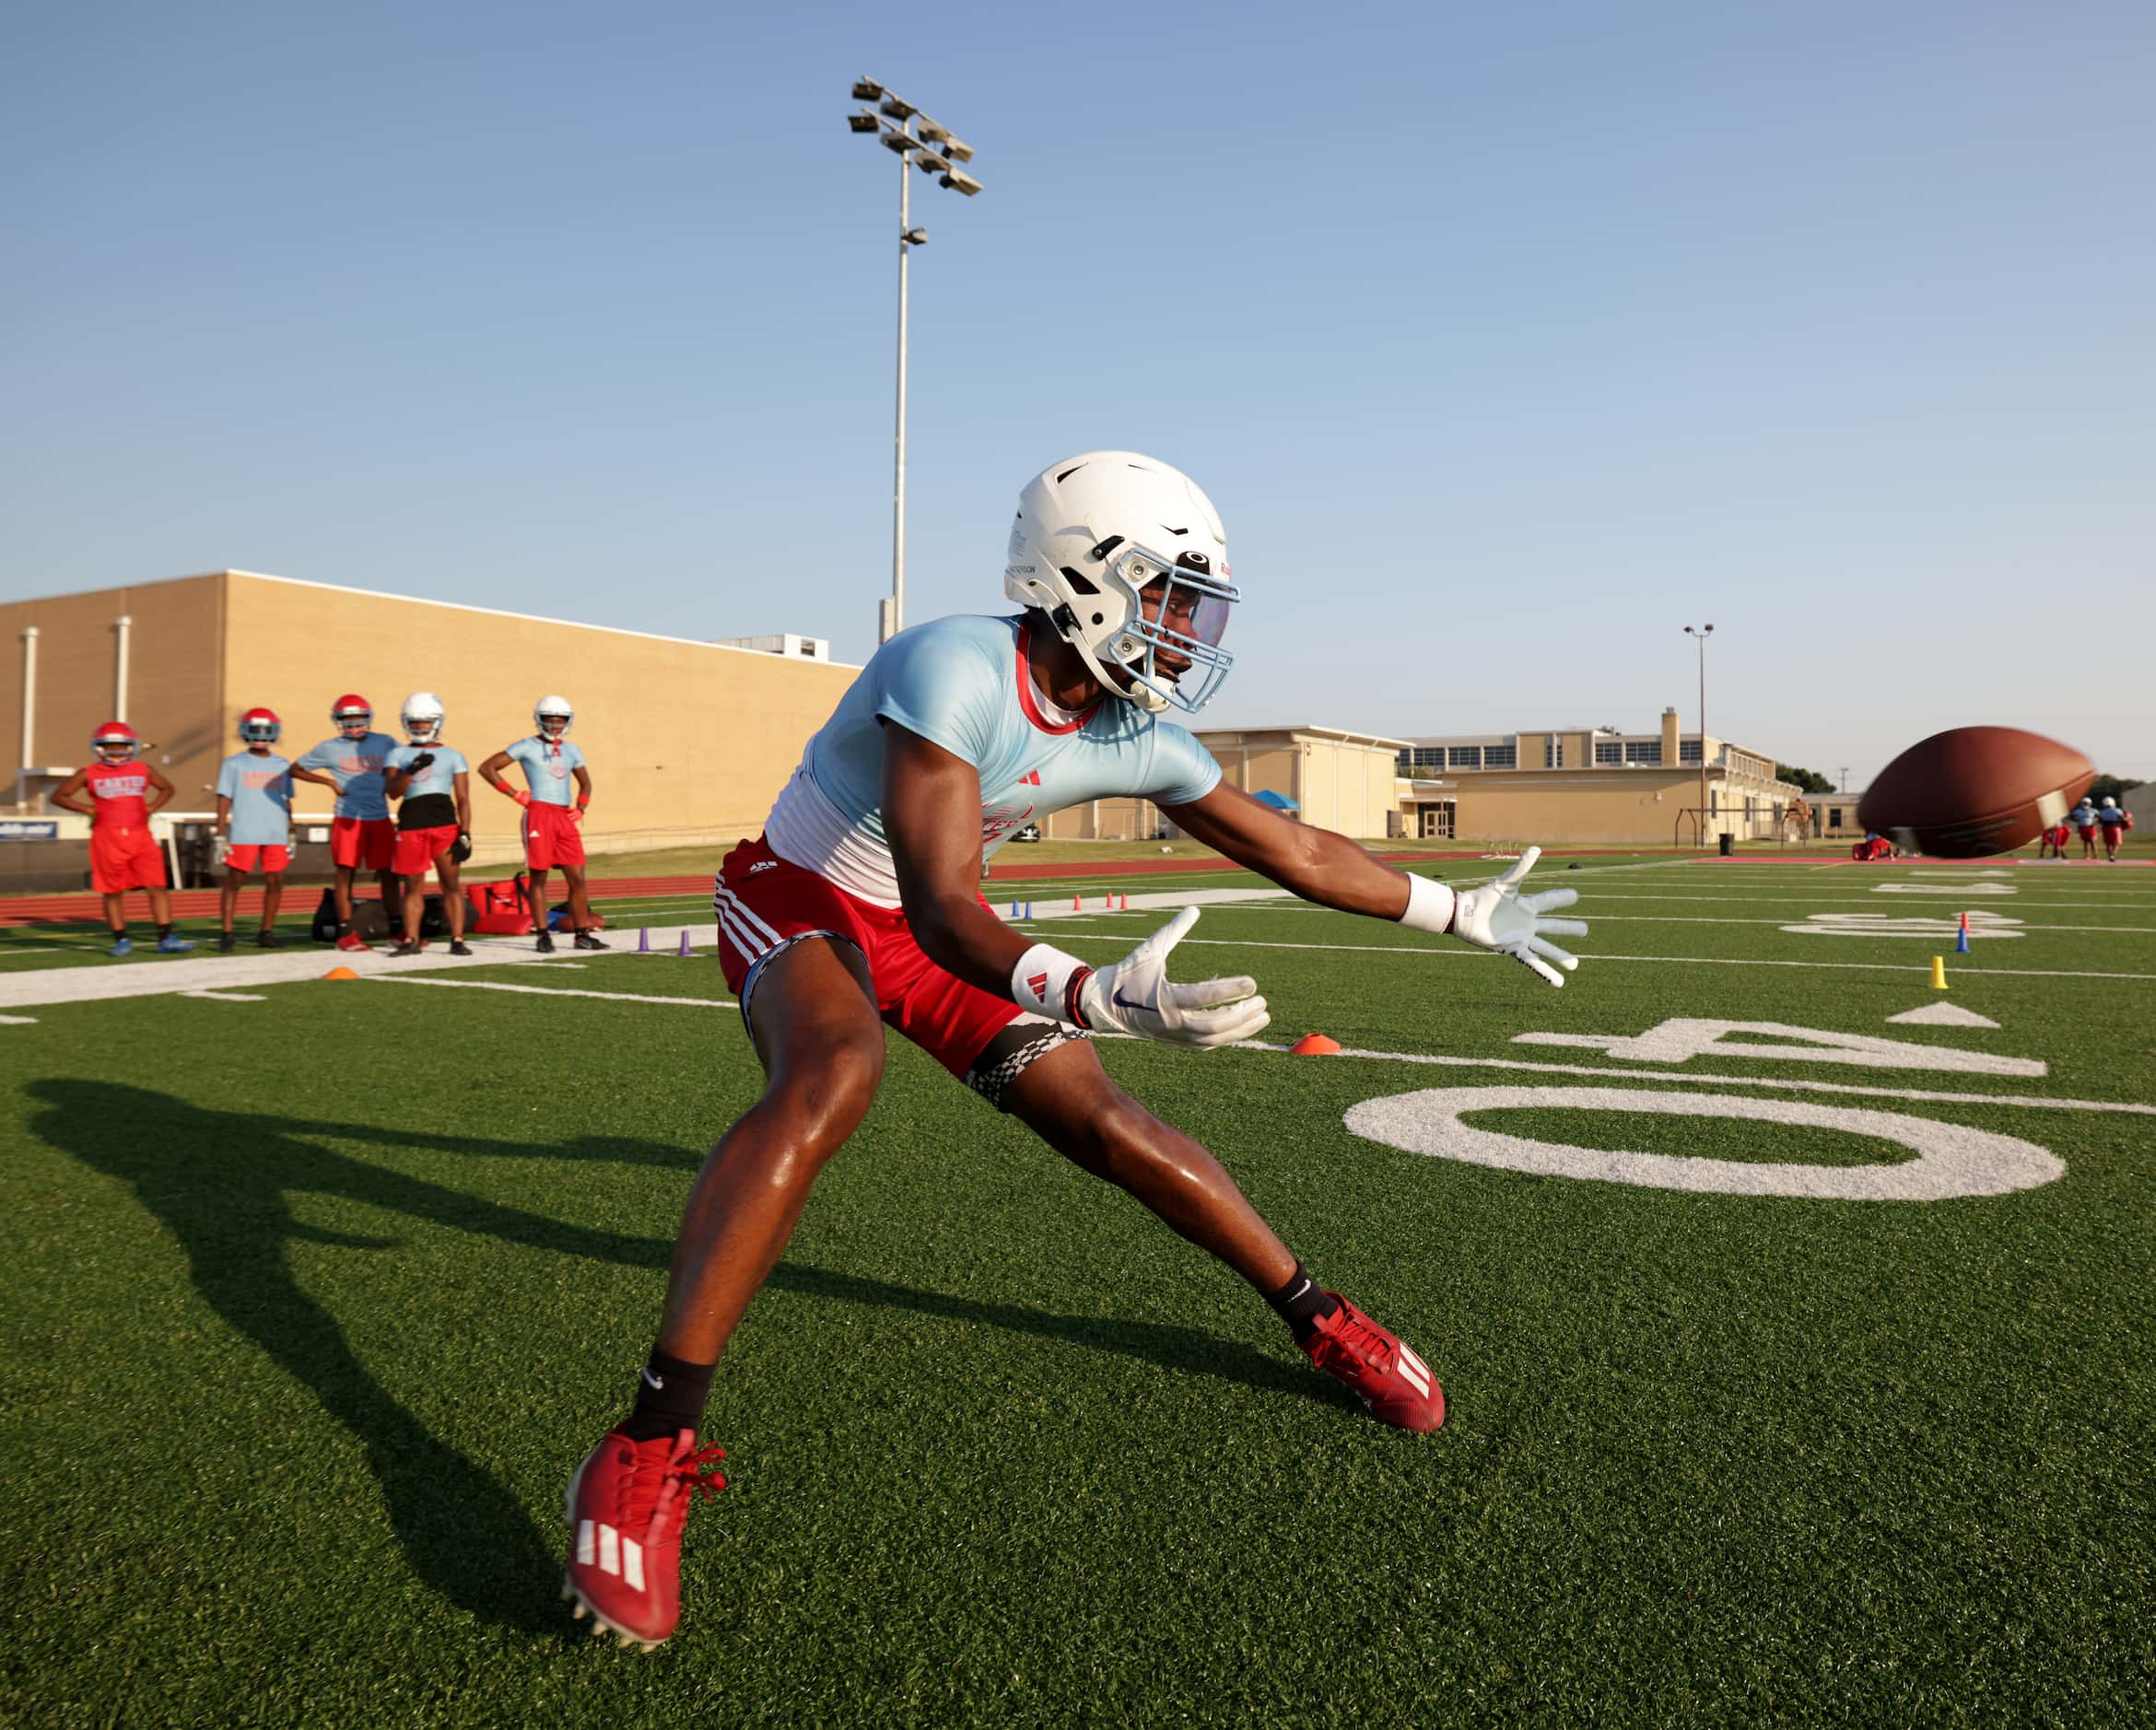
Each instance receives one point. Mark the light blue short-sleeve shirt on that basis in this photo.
(261, 792)
(549, 765)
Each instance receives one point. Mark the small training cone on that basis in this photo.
(1077, 903)
(1938, 972)
(1029, 910)
(684, 946)
(1314, 1046)
(1961, 942)
(340, 973)
(1126, 904)
(644, 941)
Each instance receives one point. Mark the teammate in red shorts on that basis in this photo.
(434, 822)
(362, 838)
(553, 827)
(120, 796)
(254, 824)
(2114, 823)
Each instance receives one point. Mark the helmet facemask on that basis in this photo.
(422, 729)
(115, 748)
(1166, 650)
(554, 727)
(354, 719)
(259, 727)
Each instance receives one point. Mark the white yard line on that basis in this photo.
(1464, 952)
(552, 991)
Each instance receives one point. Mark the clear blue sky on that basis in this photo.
(1507, 339)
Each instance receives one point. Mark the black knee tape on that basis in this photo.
(1008, 1055)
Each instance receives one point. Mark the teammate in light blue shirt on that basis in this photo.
(553, 826)
(362, 837)
(254, 824)
(859, 910)
(434, 820)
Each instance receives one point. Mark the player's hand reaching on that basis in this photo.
(1498, 916)
(1135, 995)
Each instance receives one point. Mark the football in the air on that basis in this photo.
(1973, 791)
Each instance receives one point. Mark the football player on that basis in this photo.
(254, 824)
(2083, 817)
(553, 826)
(857, 910)
(434, 820)
(362, 838)
(120, 795)
(2114, 823)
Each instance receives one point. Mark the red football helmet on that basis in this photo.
(115, 742)
(354, 715)
(261, 727)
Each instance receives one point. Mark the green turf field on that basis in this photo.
(317, 1293)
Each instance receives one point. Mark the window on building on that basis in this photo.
(1643, 751)
(1833, 816)
(1404, 763)
(1553, 754)
(1688, 751)
(1465, 757)
(1609, 751)
(1501, 756)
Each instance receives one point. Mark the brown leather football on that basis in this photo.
(1973, 791)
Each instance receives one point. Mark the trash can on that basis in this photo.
(1728, 844)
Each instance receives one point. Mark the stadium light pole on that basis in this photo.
(918, 142)
(1702, 631)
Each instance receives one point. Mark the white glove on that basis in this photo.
(1134, 996)
(1498, 916)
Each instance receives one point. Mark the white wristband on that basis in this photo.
(1430, 906)
(1041, 982)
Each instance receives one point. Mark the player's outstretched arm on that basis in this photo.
(931, 819)
(1334, 871)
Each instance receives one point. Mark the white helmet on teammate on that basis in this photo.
(1096, 531)
(423, 718)
(2109, 803)
(553, 709)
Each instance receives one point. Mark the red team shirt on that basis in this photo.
(122, 790)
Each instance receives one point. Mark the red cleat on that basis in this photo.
(1378, 1368)
(352, 942)
(627, 1506)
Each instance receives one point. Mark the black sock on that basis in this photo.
(163, 932)
(670, 1397)
(1301, 1305)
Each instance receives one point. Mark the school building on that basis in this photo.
(688, 741)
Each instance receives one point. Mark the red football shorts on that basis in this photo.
(418, 849)
(365, 844)
(552, 837)
(269, 860)
(761, 900)
(2111, 831)
(2088, 832)
(122, 859)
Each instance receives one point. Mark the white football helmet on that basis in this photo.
(555, 710)
(423, 718)
(2109, 803)
(1096, 531)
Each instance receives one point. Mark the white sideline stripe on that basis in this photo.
(19, 1021)
(1780, 1082)
(226, 997)
(214, 972)
(1464, 952)
(555, 990)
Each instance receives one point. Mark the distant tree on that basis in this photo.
(1811, 780)
(2112, 786)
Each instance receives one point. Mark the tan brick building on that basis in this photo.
(1565, 785)
(688, 740)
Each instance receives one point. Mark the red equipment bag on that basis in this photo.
(500, 909)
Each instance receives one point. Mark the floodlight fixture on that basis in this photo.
(897, 107)
(958, 149)
(933, 130)
(866, 90)
(961, 182)
(929, 162)
(899, 142)
(862, 123)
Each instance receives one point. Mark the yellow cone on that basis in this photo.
(1938, 972)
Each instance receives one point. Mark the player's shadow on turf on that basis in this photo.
(1185, 1350)
(223, 1184)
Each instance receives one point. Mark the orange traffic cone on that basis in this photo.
(340, 973)
(1314, 1046)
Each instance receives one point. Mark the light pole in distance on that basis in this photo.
(917, 141)
(1702, 631)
